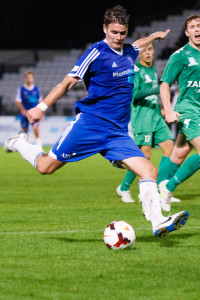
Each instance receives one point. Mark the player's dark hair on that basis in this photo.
(189, 19)
(117, 14)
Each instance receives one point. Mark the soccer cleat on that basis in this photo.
(8, 146)
(165, 196)
(144, 210)
(125, 195)
(172, 223)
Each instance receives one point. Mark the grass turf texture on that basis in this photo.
(51, 236)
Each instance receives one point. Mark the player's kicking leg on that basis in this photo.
(34, 154)
(151, 198)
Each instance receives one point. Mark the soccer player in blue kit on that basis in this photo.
(102, 118)
(28, 96)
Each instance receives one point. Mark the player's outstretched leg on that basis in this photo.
(35, 155)
(9, 143)
(19, 144)
(151, 198)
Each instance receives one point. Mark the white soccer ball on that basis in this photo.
(119, 235)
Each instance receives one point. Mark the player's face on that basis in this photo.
(115, 35)
(29, 79)
(193, 32)
(148, 54)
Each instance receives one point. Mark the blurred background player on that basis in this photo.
(184, 67)
(28, 96)
(149, 127)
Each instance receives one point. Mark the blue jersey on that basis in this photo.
(29, 97)
(108, 76)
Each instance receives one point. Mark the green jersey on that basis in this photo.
(184, 66)
(145, 111)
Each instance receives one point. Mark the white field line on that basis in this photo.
(72, 231)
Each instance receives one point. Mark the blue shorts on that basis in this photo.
(88, 135)
(24, 121)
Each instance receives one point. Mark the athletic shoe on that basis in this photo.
(173, 199)
(125, 195)
(172, 223)
(8, 146)
(165, 196)
(144, 211)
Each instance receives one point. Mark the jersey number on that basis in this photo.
(147, 138)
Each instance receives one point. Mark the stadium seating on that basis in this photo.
(48, 73)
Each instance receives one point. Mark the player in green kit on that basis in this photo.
(184, 67)
(149, 127)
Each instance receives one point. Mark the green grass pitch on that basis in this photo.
(51, 236)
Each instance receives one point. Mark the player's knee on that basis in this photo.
(167, 147)
(178, 155)
(154, 172)
(167, 152)
(45, 170)
(42, 170)
(150, 172)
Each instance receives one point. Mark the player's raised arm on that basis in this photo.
(145, 42)
(35, 114)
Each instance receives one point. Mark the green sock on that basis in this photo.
(128, 179)
(187, 169)
(167, 170)
(163, 159)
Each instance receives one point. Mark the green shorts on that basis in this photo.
(189, 126)
(154, 137)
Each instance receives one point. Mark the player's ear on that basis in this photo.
(186, 33)
(104, 28)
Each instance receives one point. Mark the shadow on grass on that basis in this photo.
(74, 240)
(187, 196)
(168, 241)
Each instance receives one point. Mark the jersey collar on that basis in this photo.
(29, 88)
(118, 52)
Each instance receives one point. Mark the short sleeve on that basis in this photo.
(136, 51)
(84, 61)
(18, 97)
(136, 81)
(172, 68)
